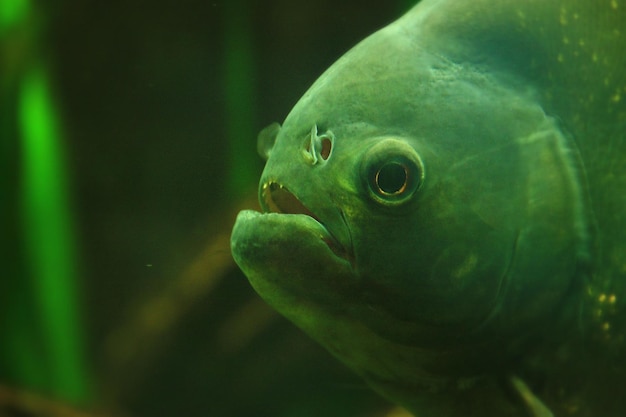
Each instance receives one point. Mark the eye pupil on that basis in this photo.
(391, 178)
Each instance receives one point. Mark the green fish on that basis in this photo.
(445, 209)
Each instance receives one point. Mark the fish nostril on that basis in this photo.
(279, 199)
(327, 146)
(318, 148)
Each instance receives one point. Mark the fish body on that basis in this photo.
(444, 209)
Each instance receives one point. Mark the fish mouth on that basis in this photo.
(276, 198)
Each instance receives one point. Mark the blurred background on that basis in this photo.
(127, 146)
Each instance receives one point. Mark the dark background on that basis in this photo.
(161, 102)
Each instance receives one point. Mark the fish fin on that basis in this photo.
(534, 406)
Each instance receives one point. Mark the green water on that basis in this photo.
(128, 144)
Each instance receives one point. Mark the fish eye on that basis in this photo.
(391, 179)
(392, 171)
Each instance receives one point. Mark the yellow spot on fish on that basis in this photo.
(466, 267)
(594, 57)
(559, 57)
(614, 4)
(615, 98)
(581, 42)
(606, 326)
(602, 298)
(612, 299)
(563, 16)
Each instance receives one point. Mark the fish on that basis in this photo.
(444, 209)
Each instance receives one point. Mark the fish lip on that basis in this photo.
(276, 198)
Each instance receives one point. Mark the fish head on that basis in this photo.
(416, 213)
